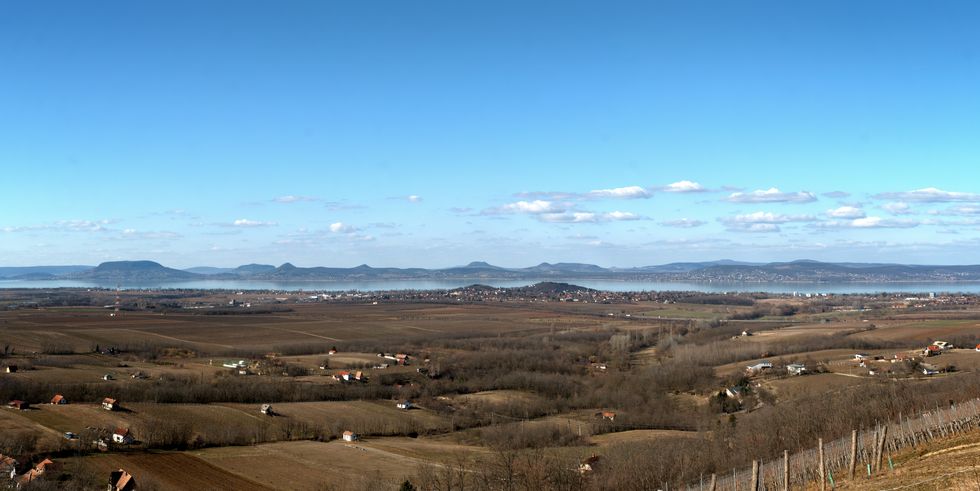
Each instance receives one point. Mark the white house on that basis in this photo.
(350, 436)
(405, 405)
(122, 436)
(796, 369)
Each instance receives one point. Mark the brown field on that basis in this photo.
(372, 417)
(173, 470)
(307, 323)
(607, 439)
(309, 465)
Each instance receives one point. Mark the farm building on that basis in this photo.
(735, 392)
(405, 405)
(19, 405)
(266, 409)
(8, 466)
(110, 404)
(235, 364)
(35, 472)
(758, 367)
(122, 435)
(120, 480)
(796, 369)
(588, 465)
(350, 436)
(59, 399)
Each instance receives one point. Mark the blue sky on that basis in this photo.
(436, 133)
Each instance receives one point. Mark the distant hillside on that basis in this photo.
(708, 271)
(208, 270)
(250, 269)
(26, 272)
(133, 271)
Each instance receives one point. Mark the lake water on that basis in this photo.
(598, 284)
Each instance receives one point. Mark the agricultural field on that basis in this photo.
(527, 389)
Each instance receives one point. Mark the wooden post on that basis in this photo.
(754, 486)
(711, 487)
(881, 446)
(854, 450)
(785, 470)
(823, 474)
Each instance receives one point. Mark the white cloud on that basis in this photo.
(869, 223)
(768, 217)
(245, 222)
(879, 222)
(929, 195)
(966, 210)
(684, 187)
(846, 212)
(628, 192)
(897, 208)
(289, 198)
(64, 226)
(620, 215)
(683, 223)
(588, 217)
(771, 195)
(342, 228)
(414, 198)
(535, 207)
(837, 194)
(761, 221)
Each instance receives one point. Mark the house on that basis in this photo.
(359, 376)
(235, 364)
(796, 369)
(404, 405)
(735, 392)
(350, 436)
(929, 371)
(107, 377)
(267, 410)
(59, 399)
(11, 369)
(110, 404)
(758, 367)
(978, 347)
(932, 350)
(861, 356)
(746, 334)
(588, 465)
(333, 351)
(19, 405)
(943, 345)
(8, 466)
(35, 472)
(139, 376)
(120, 480)
(607, 415)
(122, 436)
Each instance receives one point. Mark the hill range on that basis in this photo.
(724, 270)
